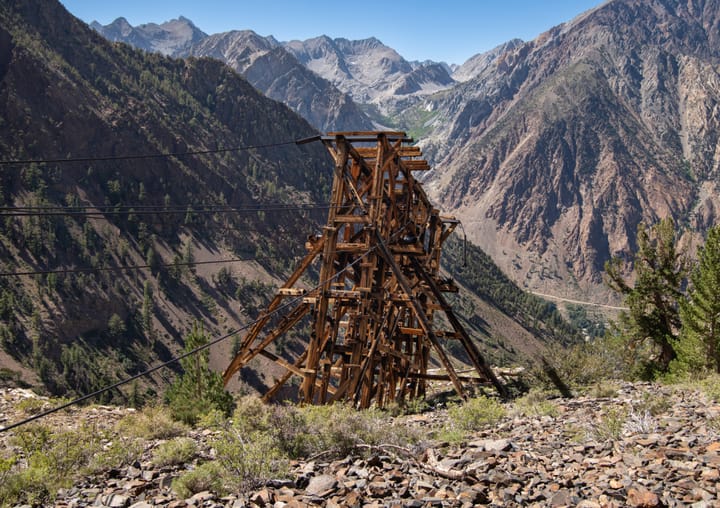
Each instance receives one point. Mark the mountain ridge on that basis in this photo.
(579, 136)
(352, 72)
(270, 68)
(169, 38)
(66, 92)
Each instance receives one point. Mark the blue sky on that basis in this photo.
(449, 30)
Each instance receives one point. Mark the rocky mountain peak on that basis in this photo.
(169, 38)
(480, 63)
(238, 48)
(368, 70)
(116, 30)
(275, 71)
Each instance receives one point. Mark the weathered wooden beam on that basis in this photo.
(475, 357)
(405, 151)
(420, 165)
(421, 317)
(373, 308)
(445, 377)
(235, 364)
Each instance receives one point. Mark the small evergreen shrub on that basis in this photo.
(338, 428)
(208, 476)
(53, 459)
(152, 422)
(653, 404)
(710, 386)
(470, 416)
(535, 403)
(605, 389)
(247, 461)
(611, 425)
(199, 390)
(176, 451)
(118, 452)
(476, 414)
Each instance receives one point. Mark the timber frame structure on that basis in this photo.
(372, 311)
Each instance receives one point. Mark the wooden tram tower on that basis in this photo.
(372, 312)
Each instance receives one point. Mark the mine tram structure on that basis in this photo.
(371, 315)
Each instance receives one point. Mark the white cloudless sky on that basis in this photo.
(449, 30)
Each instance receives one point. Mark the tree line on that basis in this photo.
(672, 325)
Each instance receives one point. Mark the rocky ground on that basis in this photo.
(642, 446)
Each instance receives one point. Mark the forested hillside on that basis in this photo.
(66, 93)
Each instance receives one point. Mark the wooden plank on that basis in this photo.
(411, 331)
(390, 351)
(344, 293)
(373, 134)
(421, 165)
(407, 249)
(367, 136)
(351, 247)
(406, 151)
(445, 377)
(291, 291)
(410, 151)
(351, 219)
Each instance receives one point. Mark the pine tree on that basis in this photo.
(199, 390)
(699, 344)
(653, 317)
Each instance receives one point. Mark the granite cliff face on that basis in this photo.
(556, 149)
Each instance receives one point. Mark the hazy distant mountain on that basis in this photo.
(556, 150)
(170, 38)
(368, 70)
(262, 60)
(270, 68)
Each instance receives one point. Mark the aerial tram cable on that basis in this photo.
(161, 155)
